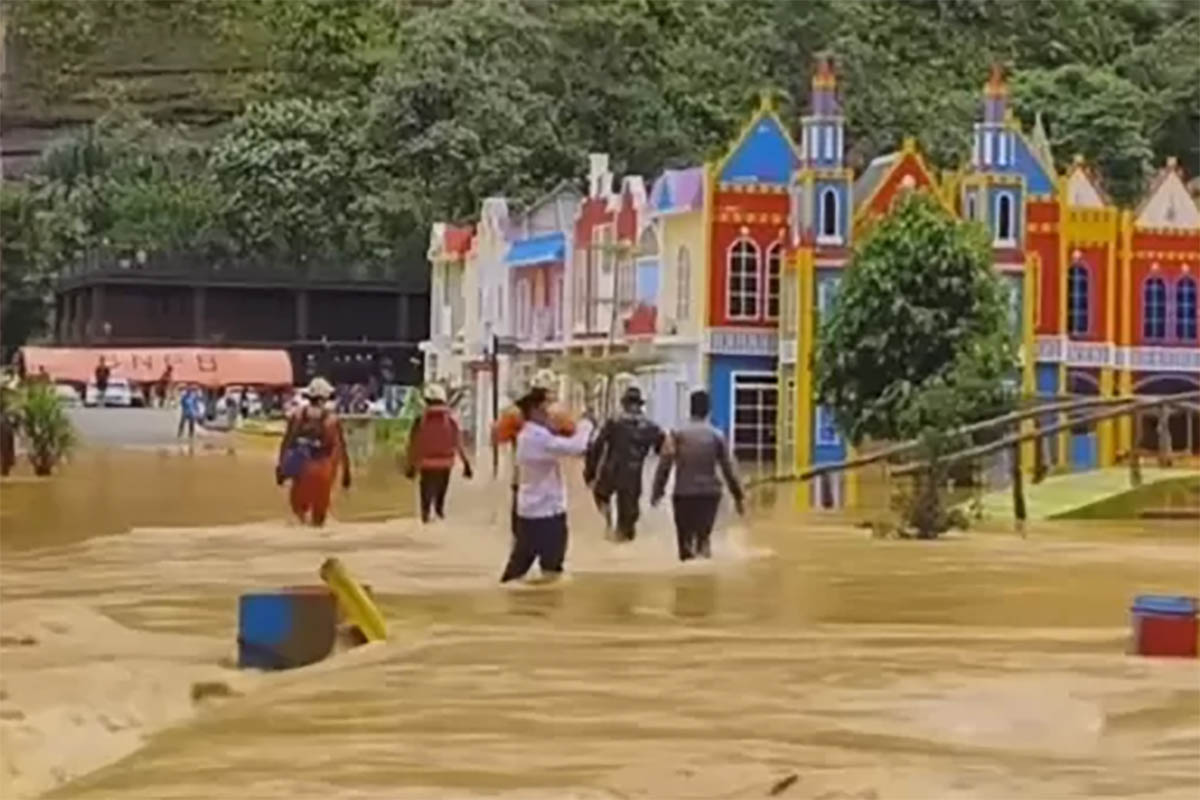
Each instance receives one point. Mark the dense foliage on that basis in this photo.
(920, 314)
(350, 125)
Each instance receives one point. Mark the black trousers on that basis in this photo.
(543, 540)
(629, 501)
(694, 518)
(186, 423)
(434, 483)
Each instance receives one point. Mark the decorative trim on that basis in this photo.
(739, 218)
(752, 188)
(742, 342)
(787, 351)
(1051, 349)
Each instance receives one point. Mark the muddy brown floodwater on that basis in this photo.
(986, 666)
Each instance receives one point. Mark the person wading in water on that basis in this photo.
(313, 449)
(432, 445)
(511, 421)
(541, 530)
(615, 460)
(696, 451)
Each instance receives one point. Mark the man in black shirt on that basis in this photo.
(614, 461)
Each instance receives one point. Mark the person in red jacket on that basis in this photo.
(432, 445)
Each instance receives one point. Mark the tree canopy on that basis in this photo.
(249, 108)
(920, 309)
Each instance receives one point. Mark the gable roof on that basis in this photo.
(449, 241)
(1167, 203)
(887, 174)
(1039, 177)
(868, 182)
(1039, 144)
(764, 153)
(678, 190)
(1083, 191)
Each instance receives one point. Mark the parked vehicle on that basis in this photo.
(119, 393)
(68, 395)
(236, 394)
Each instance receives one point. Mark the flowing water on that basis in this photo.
(983, 666)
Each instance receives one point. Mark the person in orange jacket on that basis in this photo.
(432, 445)
(311, 453)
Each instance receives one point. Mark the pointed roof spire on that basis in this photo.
(996, 86)
(1041, 143)
(824, 77)
(824, 88)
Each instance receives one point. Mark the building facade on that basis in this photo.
(723, 270)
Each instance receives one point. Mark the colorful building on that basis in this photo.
(722, 272)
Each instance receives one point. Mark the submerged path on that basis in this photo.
(1062, 494)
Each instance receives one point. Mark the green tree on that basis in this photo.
(292, 172)
(920, 306)
(1080, 107)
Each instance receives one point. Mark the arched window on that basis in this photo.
(829, 215)
(1004, 218)
(743, 280)
(774, 270)
(1077, 299)
(1185, 309)
(683, 285)
(1154, 309)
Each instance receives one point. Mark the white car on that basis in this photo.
(118, 393)
(68, 395)
(234, 394)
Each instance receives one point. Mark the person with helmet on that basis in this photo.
(312, 451)
(432, 445)
(615, 459)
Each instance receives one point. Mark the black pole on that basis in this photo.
(495, 402)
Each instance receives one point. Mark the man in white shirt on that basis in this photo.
(541, 530)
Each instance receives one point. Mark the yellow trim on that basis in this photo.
(1028, 377)
(710, 202)
(1125, 336)
(1064, 435)
(766, 108)
(806, 291)
(1107, 434)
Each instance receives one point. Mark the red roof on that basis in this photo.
(458, 240)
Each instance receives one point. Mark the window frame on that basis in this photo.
(1011, 239)
(1079, 268)
(744, 294)
(1156, 283)
(775, 250)
(765, 445)
(683, 284)
(823, 419)
(836, 236)
(1182, 316)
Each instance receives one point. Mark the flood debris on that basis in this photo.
(781, 786)
(205, 690)
(17, 641)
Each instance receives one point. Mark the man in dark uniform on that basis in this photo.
(614, 461)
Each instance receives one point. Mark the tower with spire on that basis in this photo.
(821, 195)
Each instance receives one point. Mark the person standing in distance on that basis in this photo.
(697, 451)
(434, 442)
(541, 520)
